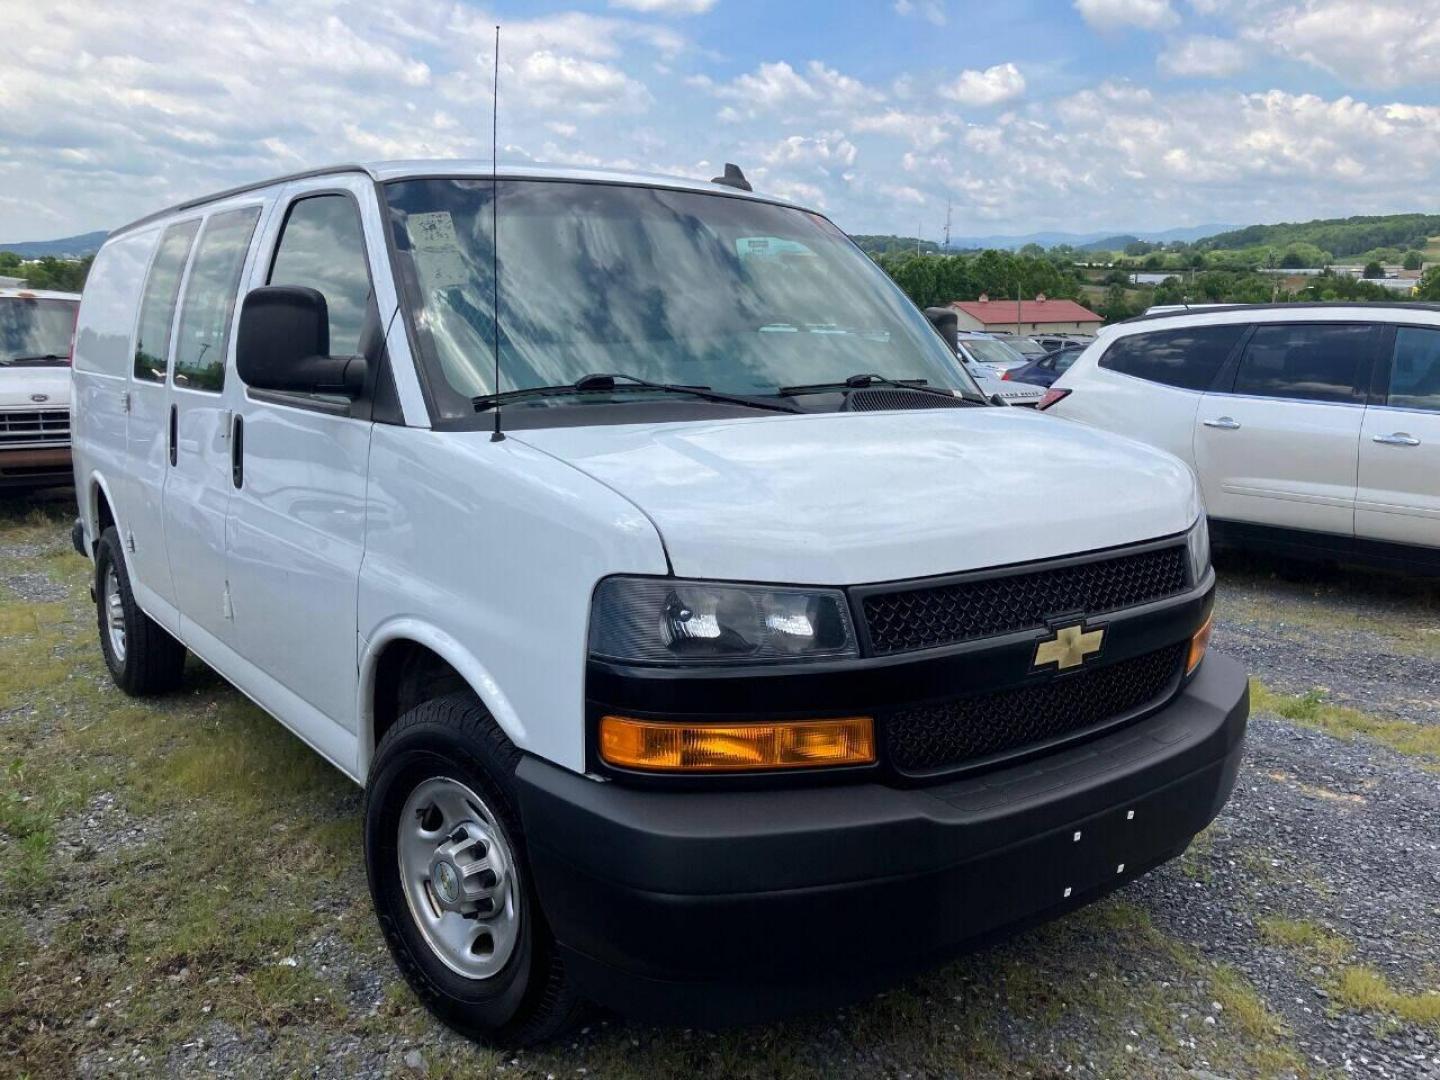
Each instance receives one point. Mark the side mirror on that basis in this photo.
(947, 323)
(284, 344)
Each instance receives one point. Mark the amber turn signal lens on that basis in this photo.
(667, 747)
(1198, 644)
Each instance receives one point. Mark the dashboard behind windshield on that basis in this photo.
(682, 287)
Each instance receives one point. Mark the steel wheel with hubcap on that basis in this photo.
(445, 857)
(113, 605)
(458, 873)
(142, 657)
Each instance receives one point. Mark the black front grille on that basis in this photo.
(924, 618)
(937, 737)
(35, 426)
(879, 400)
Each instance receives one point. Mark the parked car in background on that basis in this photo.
(988, 352)
(1314, 428)
(1048, 368)
(36, 329)
(1051, 342)
(1027, 347)
(988, 376)
(669, 640)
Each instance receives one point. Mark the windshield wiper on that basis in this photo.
(31, 359)
(864, 380)
(607, 381)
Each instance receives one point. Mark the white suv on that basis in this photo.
(36, 327)
(1314, 429)
(712, 649)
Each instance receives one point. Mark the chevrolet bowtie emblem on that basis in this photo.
(1069, 647)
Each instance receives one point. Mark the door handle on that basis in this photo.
(1225, 423)
(237, 452)
(1399, 438)
(173, 424)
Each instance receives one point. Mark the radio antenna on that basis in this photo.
(496, 435)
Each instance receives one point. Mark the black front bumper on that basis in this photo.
(731, 906)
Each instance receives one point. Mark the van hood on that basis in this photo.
(19, 387)
(853, 498)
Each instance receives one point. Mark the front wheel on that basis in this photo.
(143, 659)
(445, 857)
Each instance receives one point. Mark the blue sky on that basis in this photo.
(1077, 115)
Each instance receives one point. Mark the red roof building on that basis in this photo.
(1038, 316)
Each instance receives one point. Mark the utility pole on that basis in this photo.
(918, 226)
(1018, 331)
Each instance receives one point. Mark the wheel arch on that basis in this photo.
(408, 661)
(99, 511)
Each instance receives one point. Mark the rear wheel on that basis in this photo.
(445, 856)
(143, 659)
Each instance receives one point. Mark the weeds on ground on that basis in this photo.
(1313, 709)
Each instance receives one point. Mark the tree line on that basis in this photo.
(62, 275)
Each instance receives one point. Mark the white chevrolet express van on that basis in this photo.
(756, 661)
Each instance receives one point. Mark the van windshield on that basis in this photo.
(35, 331)
(678, 287)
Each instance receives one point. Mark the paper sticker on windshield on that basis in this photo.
(437, 251)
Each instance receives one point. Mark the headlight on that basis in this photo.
(665, 621)
(1197, 540)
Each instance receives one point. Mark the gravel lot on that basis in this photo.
(181, 891)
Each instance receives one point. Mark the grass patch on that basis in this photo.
(1366, 990)
(1314, 710)
(1305, 935)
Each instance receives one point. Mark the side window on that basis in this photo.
(210, 299)
(322, 246)
(1189, 358)
(1308, 362)
(157, 306)
(1415, 369)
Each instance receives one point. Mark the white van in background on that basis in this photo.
(1314, 428)
(36, 328)
(707, 643)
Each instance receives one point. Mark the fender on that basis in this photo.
(90, 515)
(475, 674)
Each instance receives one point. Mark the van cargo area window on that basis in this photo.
(210, 299)
(157, 306)
(733, 294)
(323, 247)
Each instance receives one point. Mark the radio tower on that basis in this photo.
(947, 226)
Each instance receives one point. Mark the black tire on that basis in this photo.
(154, 661)
(530, 1000)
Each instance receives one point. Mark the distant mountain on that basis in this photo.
(69, 247)
(1188, 234)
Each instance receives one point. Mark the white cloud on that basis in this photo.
(923, 130)
(587, 86)
(778, 87)
(666, 7)
(1383, 43)
(992, 86)
(1202, 56)
(824, 151)
(932, 11)
(1125, 14)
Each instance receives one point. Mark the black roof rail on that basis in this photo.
(1299, 305)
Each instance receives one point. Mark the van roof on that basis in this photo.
(37, 294)
(384, 171)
